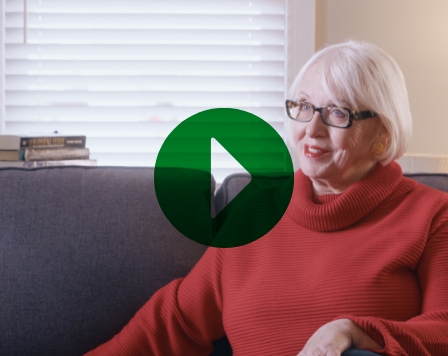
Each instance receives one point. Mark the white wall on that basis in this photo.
(415, 33)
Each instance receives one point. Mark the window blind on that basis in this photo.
(126, 72)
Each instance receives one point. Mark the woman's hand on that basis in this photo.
(337, 336)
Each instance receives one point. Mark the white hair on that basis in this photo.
(361, 74)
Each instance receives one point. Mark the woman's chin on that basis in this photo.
(314, 172)
(312, 168)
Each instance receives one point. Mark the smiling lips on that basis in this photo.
(314, 151)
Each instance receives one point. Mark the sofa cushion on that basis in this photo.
(234, 183)
(81, 250)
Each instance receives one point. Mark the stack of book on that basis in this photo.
(41, 151)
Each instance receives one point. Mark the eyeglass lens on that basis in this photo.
(332, 115)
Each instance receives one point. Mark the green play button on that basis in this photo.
(183, 181)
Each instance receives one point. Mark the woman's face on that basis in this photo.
(331, 157)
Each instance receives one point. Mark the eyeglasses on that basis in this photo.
(336, 116)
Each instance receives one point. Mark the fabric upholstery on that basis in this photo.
(359, 353)
(81, 250)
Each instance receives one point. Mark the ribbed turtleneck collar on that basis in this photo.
(349, 207)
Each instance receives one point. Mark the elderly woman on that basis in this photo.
(358, 261)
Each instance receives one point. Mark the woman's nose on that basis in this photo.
(316, 127)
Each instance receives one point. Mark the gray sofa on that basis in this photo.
(83, 248)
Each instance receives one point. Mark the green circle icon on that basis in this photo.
(183, 180)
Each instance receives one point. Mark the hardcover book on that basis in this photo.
(34, 164)
(11, 155)
(12, 142)
(55, 154)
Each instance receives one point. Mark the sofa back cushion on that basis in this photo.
(234, 183)
(81, 250)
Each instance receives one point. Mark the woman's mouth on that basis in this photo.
(314, 151)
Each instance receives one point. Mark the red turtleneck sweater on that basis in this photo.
(376, 254)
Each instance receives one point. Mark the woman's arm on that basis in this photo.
(182, 318)
(427, 333)
(423, 335)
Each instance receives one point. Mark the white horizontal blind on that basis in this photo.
(126, 72)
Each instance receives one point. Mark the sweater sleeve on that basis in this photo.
(182, 318)
(427, 333)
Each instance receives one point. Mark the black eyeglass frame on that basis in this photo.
(353, 115)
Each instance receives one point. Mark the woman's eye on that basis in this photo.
(306, 106)
(339, 112)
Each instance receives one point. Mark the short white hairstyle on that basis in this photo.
(361, 74)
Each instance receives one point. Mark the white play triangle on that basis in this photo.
(225, 159)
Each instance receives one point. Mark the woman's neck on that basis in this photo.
(338, 186)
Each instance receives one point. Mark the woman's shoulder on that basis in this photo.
(438, 182)
(429, 197)
(430, 186)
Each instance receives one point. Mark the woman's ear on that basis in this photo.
(383, 136)
(381, 142)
